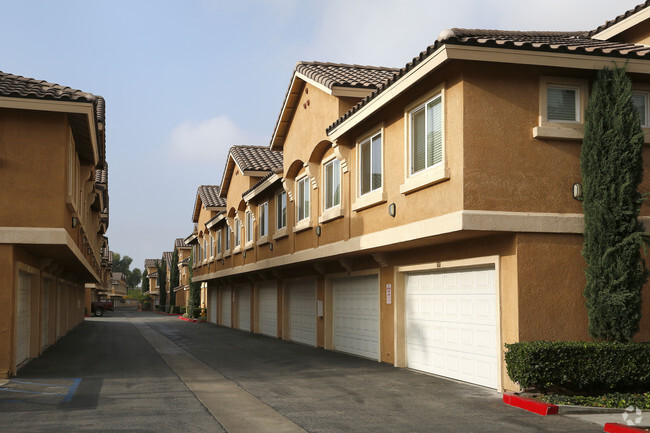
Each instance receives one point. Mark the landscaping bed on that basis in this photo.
(616, 400)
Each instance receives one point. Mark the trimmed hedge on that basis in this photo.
(613, 400)
(585, 367)
(176, 309)
(182, 309)
(195, 313)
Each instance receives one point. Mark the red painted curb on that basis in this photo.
(534, 406)
(614, 427)
(191, 320)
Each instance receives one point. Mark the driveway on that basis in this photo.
(148, 372)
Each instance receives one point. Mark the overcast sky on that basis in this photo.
(185, 80)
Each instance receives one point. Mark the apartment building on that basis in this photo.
(53, 213)
(425, 216)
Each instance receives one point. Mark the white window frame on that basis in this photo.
(280, 203)
(331, 194)
(263, 223)
(303, 182)
(219, 243)
(577, 114)
(557, 129)
(412, 111)
(369, 139)
(435, 173)
(248, 229)
(237, 240)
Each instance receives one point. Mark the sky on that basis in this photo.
(185, 80)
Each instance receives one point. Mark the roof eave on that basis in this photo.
(287, 112)
(623, 25)
(261, 188)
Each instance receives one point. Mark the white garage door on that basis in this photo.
(451, 324)
(212, 294)
(244, 308)
(226, 308)
(23, 311)
(45, 307)
(268, 309)
(356, 315)
(302, 311)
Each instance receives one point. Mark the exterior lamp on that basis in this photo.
(318, 230)
(392, 209)
(271, 246)
(75, 222)
(244, 254)
(577, 191)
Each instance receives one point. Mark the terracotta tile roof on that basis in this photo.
(151, 263)
(167, 255)
(210, 196)
(618, 19)
(207, 223)
(101, 176)
(343, 75)
(560, 42)
(16, 86)
(256, 158)
(180, 243)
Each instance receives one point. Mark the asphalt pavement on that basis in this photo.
(143, 372)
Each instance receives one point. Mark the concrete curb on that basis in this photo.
(614, 427)
(534, 406)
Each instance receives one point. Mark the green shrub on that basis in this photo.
(175, 309)
(182, 309)
(156, 307)
(585, 367)
(146, 305)
(166, 308)
(195, 313)
(613, 400)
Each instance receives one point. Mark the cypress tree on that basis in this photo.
(162, 280)
(194, 298)
(173, 278)
(612, 168)
(145, 282)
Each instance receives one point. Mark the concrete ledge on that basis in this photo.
(614, 427)
(534, 406)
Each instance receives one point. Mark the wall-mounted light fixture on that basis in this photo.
(577, 191)
(271, 246)
(223, 261)
(392, 209)
(244, 254)
(318, 231)
(89, 251)
(75, 222)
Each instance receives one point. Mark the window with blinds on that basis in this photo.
(303, 198)
(237, 232)
(426, 135)
(219, 242)
(562, 103)
(263, 220)
(281, 210)
(332, 180)
(249, 227)
(370, 165)
(640, 101)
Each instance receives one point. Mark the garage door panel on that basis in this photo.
(356, 316)
(244, 308)
(268, 304)
(302, 312)
(226, 308)
(451, 324)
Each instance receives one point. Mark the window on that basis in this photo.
(237, 232)
(370, 177)
(227, 234)
(426, 135)
(219, 242)
(562, 103)
(263, 223)
(302, 195)
(249, 227)
(640, 101)
(211, 246)
(205, 249)
(281, 209)
(332, 181)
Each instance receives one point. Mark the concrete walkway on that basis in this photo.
(225, 400)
